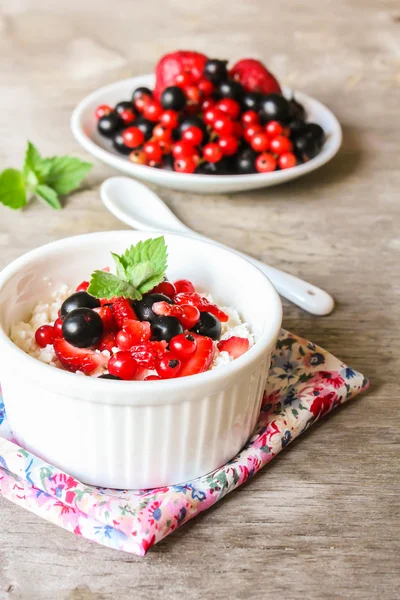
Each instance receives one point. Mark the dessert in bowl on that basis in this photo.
(149, 429)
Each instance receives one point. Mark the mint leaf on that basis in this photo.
(35, 167)
(12, 189)
(150, 283)
(48, 195)
(120, 266)
(107, 285)
(153, 250)
(66, 173)
(138, 274)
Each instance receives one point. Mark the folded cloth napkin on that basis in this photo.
(304, 384)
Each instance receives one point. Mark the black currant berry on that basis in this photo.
(108, 376)
(124, 105)
(297, 110)
(145, 126)
(143, 307)
(173, 98)
(78, 300)
(316, 132)
(110, 124)
(192, 122)
(82, 327)
(306, 147)
(215, 70)
(165, 328)
(275, 107)
(230, 89)
(246, 162)
(168, 162)
(141, 91)
(297, 128)
(118, 143)
(208, 325)
(252, 101)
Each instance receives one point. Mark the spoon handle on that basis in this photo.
(309, 297)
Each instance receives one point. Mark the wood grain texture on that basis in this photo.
(322, 521)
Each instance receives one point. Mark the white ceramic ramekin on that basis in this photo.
(135, 434)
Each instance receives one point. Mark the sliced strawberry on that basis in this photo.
(107, 342)
(133, 333)
(107, 316)
(176, 63)
(201, 360)
(78, 359)
(202, 304)
(235, 346)
(122, 310)
(147, 354)
(82, 287)
(254, 77)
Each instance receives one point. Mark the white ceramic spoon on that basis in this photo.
(138, 206)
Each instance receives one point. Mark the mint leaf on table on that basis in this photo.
(139, 270)
(12, 189)
(107, 285)
(44, 177)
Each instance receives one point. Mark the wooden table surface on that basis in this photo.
(322, 521)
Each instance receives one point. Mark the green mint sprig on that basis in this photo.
(46, 178)
(138, 271)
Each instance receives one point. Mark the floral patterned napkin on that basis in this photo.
(304, 384)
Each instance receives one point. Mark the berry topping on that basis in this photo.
(208, 325)
(168, 366)
(183, 286)
(78, 300)
(82, 327)
(201, 360)
(183, 345)
(122, 310)
(235, 346)
(45, 335)
(143, 308)
(132, 334)
(165, 328)
(78, 359)
(123, 365)
(147, 354)
(202, 304)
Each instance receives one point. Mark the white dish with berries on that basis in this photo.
(135, 433)
(200, 136)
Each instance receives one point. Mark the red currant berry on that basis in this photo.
(287, 160)
(166, 288)
(138, 157)
(250, 117)
(128, 116)
(237, 130)
(186, 164)
(183, 345)
(251, 130)
(45, 335)
(82, 287)
(168, 366)
(228, 144)
(142, 101)
(166, 146)
(229, 107)
(123, 365)
(212, 152)
(265, 163)
(133, 137)
(206, 104)
(189, 315)
(183, 79)
(162, 133)
(184, 286)
(206, 87)
(170, 118)
(192, 93)
(260, 142)
(153, 111)
(102, 110)
(153, 150)
(223, 125)
(58, 327)
(194, 135)
(212, 114)
(183, 148)
(281, 145)
(274, 128)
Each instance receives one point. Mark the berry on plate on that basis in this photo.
(78, 359)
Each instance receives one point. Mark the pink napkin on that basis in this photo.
(305, 383)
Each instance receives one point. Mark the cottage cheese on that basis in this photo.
(46, 311)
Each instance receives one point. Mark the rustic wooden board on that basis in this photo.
(322, 521)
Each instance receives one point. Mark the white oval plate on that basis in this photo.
(84, 128)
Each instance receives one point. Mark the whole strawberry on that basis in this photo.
(254, 77)
(176, 64)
